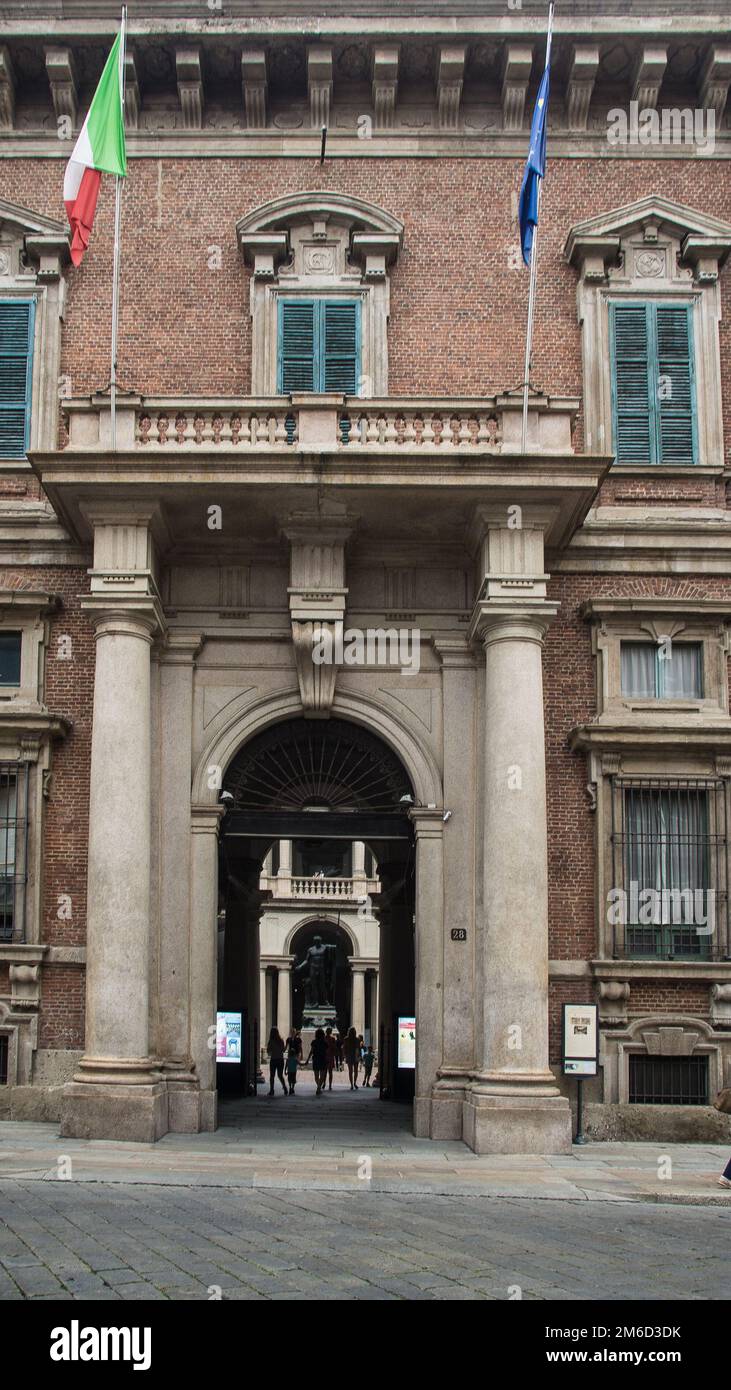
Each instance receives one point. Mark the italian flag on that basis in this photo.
(99, 149)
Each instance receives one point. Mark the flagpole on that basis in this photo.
(117, 245)
(533, 273)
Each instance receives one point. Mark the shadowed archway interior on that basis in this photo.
(322, 784)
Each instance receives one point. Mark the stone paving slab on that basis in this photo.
(594, 1172)
(239, 1244)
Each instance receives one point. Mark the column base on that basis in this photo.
(447, 1101)
(99, 1110)
(516, 1124)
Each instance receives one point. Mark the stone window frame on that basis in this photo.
(33, 254)
(26, 731)
(617, 1046)
(641, 619)
(323, 246)
(663, 739)
(664, 764)
(651, 251)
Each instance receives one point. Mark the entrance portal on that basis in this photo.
(301, 796)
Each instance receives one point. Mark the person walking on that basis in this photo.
(293, 1048)
(318, 1053)
(330, 1056)
(338, 1051)
(369, 1058)
(351, 1051)
(275, 1049)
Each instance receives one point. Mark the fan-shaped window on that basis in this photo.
(331, 765)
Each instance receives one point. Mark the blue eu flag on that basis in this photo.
(535, 168)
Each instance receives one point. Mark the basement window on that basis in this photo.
(668, 1080)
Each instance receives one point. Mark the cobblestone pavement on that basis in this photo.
(70, 1240)
(277, 1204)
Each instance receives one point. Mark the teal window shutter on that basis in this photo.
(341, 346)
(17, 319)
(319, 346)
(297, 346)
(676, 405)
(653, 383)
(632, 390)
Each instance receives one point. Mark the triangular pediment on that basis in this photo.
(668, 217)
(27, 223)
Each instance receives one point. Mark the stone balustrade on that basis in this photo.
(338, 424)
(312, 886)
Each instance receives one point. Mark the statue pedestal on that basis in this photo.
(323, 1016)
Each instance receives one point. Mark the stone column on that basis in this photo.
(118, 1091)
(358, 854)
(357, 1011)
(514, 1105)
(460, 674)
(263, 1034)
(429, 950)
(284, 1006)
(204, 954)
(176, 662)
(284, 874)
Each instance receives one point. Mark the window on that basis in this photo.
(17, 318)
(662, 671)
(670, 867)
(10, 647)
(13, 849)
(653, 383)
(668, 1080)
(3, 1059)
(319, 346)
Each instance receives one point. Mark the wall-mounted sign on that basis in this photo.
(459, 933)
(407, 1043)
(580, 1039)
(228, 1037)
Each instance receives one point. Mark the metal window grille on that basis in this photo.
(13, 849)
(668, 1080)
(670, 868)
(4, 1060)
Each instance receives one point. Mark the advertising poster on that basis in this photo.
(228, 1037)
(407, 1043)
(580, 1039)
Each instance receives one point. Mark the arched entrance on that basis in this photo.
(321, 786)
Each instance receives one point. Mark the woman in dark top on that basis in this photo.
(275, 1048)
(293, 1048)
(318, 1053)
(351, 1049)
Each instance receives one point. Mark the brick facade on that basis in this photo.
(456, 329)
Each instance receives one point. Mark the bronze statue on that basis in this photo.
(319, 963)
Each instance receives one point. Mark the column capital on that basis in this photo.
(454, 652)
(428, 821)
(204, 819)
(179, 648)
(511, 621)
(135, 615)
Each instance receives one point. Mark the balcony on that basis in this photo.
(401, 425)
(313, 888)
(394, 463)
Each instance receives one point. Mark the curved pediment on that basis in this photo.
(318, 206)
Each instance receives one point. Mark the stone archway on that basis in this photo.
(234, 732)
